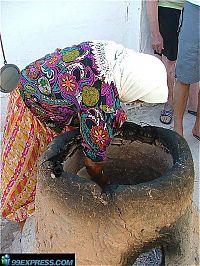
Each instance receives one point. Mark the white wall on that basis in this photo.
(145, 36)
(31, 29)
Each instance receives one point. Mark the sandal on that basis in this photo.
(192, 112)
(197, 137)
(168, 114)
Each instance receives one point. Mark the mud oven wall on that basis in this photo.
(148, 199)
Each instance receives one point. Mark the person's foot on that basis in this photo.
(196, 132)
(166, 114)
(178, 129)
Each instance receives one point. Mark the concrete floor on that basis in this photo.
(144, 115)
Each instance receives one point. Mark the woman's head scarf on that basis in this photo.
(137, 76)
(143, 77)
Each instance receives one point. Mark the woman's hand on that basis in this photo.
(95, 170)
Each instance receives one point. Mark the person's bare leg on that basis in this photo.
(170, 67)
(21, 225)
(181, 92)
(193, 97)
(196, 128)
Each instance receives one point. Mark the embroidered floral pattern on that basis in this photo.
(44, 86)
(90, 96)
(106, 92)
(52, 61)
(68, 83)
(70, 56)
(121, 117)
(99, 136)
(33, 71)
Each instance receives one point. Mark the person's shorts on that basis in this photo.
(188, 61)
(169, 27)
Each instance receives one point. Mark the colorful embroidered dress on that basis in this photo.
(72, 86)
(66, 87)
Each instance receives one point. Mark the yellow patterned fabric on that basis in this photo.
(25, 139)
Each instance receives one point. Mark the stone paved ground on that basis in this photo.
(144, 115)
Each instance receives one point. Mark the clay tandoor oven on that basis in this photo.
(151, 183)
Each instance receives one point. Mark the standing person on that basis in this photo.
(188, 65)
(164, 17)
(80, 86)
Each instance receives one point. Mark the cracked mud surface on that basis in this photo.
(10, 234)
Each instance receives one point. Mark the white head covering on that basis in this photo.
(143, 77)
(137, 76)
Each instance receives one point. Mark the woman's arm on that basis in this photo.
(95, 170)
(152, 13)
